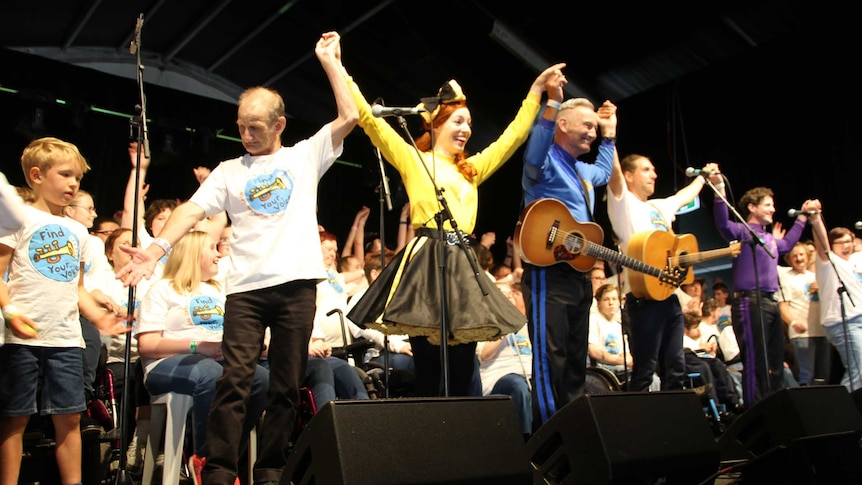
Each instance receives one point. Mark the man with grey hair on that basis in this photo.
(272, 269)
(558, 296)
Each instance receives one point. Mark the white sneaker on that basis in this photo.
(135, 456)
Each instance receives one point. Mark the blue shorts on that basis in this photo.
(47, 380)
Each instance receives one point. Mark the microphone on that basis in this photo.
(136, 40)
(381, 111)
(800, 212)
(694, 172)
(858, 225)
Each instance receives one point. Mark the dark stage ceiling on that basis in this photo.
(763, 87)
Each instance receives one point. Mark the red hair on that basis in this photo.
(424, 142)
(327, 236)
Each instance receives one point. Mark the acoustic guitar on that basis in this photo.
(547, 234)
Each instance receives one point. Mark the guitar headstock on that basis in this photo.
(674, 277)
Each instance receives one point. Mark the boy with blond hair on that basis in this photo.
(41, 304)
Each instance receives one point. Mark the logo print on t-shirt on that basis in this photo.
(269, 193)
(657, 221)
(520, 344)
(612, 344)
(54, 252)
(811, 293)
(207, 312)
(333, 281)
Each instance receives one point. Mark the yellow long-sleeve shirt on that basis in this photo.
(461, 195)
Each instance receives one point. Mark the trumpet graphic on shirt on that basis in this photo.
(264, 193)
(54, 252)
(205, 312)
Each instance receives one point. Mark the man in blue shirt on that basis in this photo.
(558, 296)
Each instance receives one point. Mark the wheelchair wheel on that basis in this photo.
(601, 381)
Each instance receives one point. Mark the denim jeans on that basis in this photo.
(332, 378)
(515, 385)
(852, 379)
(196, 375)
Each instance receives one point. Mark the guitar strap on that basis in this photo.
(585, 190)
(667, 224)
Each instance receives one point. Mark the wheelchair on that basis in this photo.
(600, 380)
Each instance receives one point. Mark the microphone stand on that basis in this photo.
(386, 199)
(842, 291)
(624, 324)
(139, 123)
(445, 215)
(753, 241)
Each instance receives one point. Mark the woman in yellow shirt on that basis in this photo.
(408, 297)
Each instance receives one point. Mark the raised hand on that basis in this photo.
(328, 47)
(778, 230)
(607, 114)
(133, 156)
(551, 80)
(488, 239)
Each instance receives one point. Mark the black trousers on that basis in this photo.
(288, 309)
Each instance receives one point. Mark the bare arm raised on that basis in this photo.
(328, 51)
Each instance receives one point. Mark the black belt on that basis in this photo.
(449, 237)
(753, 294)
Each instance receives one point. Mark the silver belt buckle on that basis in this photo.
(452, 238)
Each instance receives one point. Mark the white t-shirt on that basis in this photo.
(607, 334)
(331, 295)
(43, 277)
(514, 356)
(11, 207)
(830, 304)
(99, 270)
(271, 203)
(729, 346)
(120, 294)
(724, 317)
(691, 344)
(708, 333)
(630, 215)
(803, 300)
(198, 316)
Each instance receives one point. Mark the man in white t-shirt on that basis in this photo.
(840, 312)
(270, 195)
(656, 325)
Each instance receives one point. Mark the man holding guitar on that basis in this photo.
(558, 297)
(657, 325)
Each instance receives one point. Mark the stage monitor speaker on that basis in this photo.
(797, 435)
(631, 438)
(451, 440)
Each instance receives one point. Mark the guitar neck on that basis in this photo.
(601, 252)
(687, 259)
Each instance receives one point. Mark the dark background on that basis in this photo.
(775, 105)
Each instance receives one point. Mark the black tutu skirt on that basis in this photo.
(406, 299)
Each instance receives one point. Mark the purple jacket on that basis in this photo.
(743, 264)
